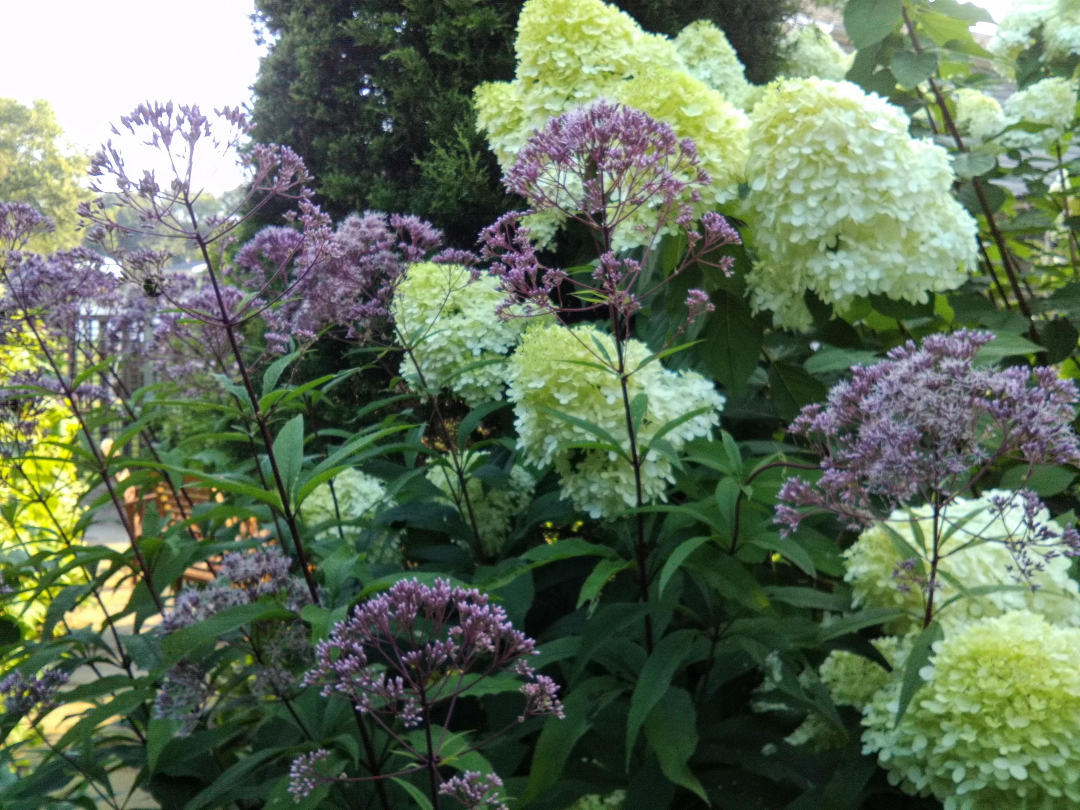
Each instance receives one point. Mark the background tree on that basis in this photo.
(376, 95)
(37, 168)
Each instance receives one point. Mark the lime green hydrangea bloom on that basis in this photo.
(359, 499)
(852, 680)
(1051, 102)
(811, 51)
(1017, 30)
(694, 111)
(556, 368)
(450, 319)
(974, 553)
(845, 203)
(493, 509)
(996, 723)
(594, 801)
(978, 115)
(708, 56)
(573, 52)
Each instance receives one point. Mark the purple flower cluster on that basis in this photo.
(926, 424)
(22, 694)
(242, 578)
(347, 281)
(417, 645)
(304, 775)
(600, 165)
(183, 696)
(1035, 533)
(474, 790)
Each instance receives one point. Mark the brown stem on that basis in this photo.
(268, 440)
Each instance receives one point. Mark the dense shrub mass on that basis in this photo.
(736, 466)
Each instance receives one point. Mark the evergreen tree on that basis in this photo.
(376, 95)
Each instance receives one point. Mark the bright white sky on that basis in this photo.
(95, 60)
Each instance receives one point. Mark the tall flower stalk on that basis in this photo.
(611, 169)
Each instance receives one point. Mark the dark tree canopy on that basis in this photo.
(376, 95)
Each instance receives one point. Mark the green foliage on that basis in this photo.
(38, 168)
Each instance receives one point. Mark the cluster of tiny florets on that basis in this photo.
(448, 320)
(556, 370)
(437, 642)
(995, 723)
(978, 115)
(810, 50)
(913, 427)
(475, 791)
(23, 694)
(1050, 103)
(846, 204)
(347, 506)
(707, 55)
(494, 510)
(979, 547)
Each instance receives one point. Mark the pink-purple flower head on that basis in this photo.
(23, 694)
(416, 645)
(601, 163)
(924, 425)
(20, 222)
(475, 791)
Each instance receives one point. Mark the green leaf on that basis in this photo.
(671, 730)
(274, 371)
(1005, 346)
(773, 541)
(808, 598)
(604, 627)
(655, 679)
(418, 796)
(603, 573)
(1044, 480)
(176, 645)
(10, 632)
(870, 21)
(558, 738)
(829, 360)
(159, 732)
(918, 658)
(899, 309)
(792, 388)
(911, 69)
(733, 339)
(477, 415)
(857, 621)
(973, 164)
(289, 451)
(1059, 337)
(233, 776)
(677, 558)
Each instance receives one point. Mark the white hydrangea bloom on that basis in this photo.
(1051, 102)
(355, 500)
(978, 115)
(845, 203)
(996, 723)
(493, 509)
(708, 56)
(974, 553)
(548, 372)
(1016, 31)
(810, 50)
(451, 321)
